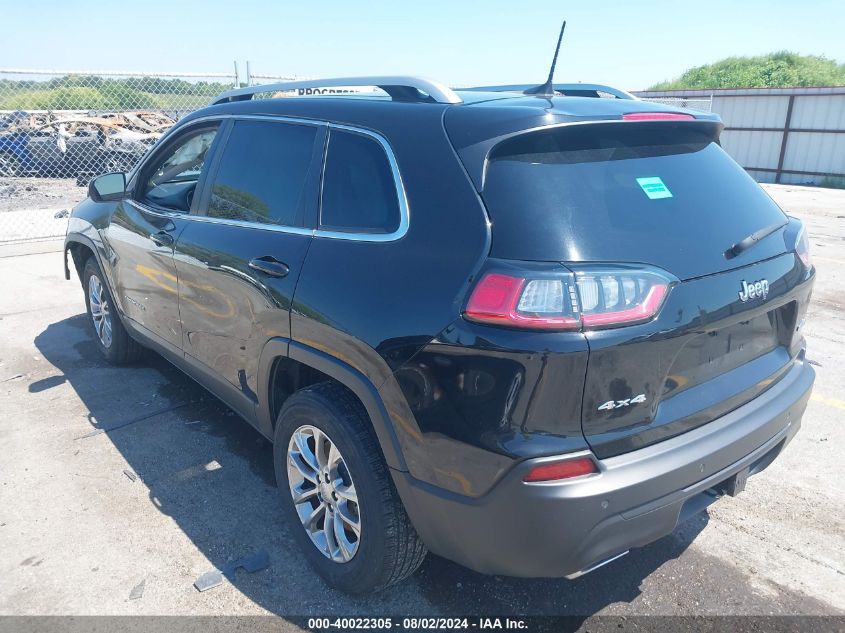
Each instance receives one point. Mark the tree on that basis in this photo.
(775, 70)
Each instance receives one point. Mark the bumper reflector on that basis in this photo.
(553, 471)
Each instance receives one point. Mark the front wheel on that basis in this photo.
(338, 495)
(110, 335)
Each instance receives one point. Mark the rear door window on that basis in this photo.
(359, 191)
(262, 173)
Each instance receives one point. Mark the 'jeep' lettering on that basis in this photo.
(753, 290)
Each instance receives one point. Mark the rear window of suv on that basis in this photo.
(637, 192)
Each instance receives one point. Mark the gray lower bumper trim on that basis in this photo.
(571, 527)
(578, 574)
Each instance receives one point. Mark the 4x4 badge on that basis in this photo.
(618, 404)
(753, 290)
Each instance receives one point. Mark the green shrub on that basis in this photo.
(119, 96)
(775, 70)
(89, 92)
(78, 98)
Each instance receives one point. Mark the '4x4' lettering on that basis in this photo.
(619, 404)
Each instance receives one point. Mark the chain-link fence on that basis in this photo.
(705, 104)
(59, 129)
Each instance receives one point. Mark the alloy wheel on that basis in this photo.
(323, 494)
(100, 310)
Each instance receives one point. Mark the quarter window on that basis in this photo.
(262, 173)
(359, 191)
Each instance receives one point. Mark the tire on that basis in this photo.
(386, 548)
(109, 334)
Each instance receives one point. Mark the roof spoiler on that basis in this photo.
(567, 90)
(475, 157)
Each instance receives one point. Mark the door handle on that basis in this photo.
(269, 265)
(162, 238)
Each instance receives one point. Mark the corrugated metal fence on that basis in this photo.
(786, 135)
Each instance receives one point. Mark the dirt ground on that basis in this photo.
(22, 194)
(120, 486)
(33, 209)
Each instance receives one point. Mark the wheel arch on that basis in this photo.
(80, 248)
(278, 350)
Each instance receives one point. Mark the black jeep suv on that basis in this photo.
(527, 333)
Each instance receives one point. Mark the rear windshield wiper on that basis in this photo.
(747, 242)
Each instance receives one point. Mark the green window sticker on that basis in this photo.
(654, 188)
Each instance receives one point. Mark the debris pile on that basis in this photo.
(76, 144)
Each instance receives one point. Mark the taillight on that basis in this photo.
(544, 303)
(565, 469)
(588, 297)
(802, 247)
(620, 296)
(657, 116)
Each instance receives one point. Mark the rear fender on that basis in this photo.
(345, 374)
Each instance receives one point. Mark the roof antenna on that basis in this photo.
(547, 89)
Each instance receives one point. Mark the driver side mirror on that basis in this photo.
(107, 187)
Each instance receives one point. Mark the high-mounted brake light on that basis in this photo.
(657, 116)
(590, 298)
(555, 471)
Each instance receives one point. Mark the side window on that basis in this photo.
(359, 192)
(262, 173)
(171, 181)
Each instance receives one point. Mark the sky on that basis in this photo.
(630, 45)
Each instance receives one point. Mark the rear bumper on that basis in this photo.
(565, 528)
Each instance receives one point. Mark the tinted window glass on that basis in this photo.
(262, 173)
(172, 180)
(642, 193)
(359, 193)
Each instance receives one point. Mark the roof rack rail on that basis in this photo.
(399, 87)
(571, 90)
